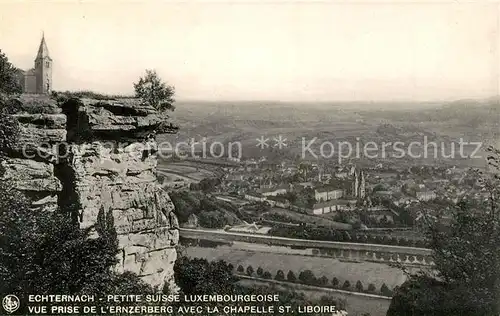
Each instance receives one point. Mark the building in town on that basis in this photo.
(327, 194)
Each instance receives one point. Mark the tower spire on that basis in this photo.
(43, 51)
(43, 68)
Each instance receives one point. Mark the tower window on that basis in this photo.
(47, 64)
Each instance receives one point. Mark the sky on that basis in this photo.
(264, 50)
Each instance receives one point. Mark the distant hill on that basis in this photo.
(475, 120)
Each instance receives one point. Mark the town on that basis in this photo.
(348, 197)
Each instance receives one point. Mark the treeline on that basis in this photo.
(204, 243)
(210, 212)
(329, 234)
(307, 277)
(281, 218)
(206, 185)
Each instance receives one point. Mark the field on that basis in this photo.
(366, 272)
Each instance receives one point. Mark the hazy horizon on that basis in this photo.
(263, 51)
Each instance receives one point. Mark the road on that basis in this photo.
(177, 174)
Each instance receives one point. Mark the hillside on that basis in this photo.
(244, 122)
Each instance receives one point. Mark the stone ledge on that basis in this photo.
(110, 120)
(30, 175)
(42, 121)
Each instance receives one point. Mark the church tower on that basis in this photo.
(355, 184)
(362, 186)
(43, 69)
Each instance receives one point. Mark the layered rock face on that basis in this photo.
(30, 164)
(104, 156)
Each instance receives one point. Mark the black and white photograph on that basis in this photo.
(250, 157)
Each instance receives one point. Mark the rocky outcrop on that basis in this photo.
(30, 164)
(123, 180)
(124, 121)
(102, 154)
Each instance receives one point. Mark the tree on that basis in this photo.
(249, 270)
(9, 127)
(371, 288)
(267, 275)
(423, 295)
(9, 131)
(379, 187)
(43, 252)
(346, 285)
(153, 91)
(466, 257)
(307, 277)
(335, 282)
(198, 276)
(323, 281)
(384, 289)
(9, 80)
(280, 276)
(359, 286)
(260, 271)
(291, 276)
(240, 269)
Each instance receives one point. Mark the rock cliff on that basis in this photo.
(101, 154)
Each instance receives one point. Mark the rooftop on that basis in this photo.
(333, 202)
(328, 189)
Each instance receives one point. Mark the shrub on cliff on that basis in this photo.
(153, 91)
(37, 105)
(9, 127)
(63, 96)
(9, 132)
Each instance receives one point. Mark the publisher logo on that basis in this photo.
(10, 303)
